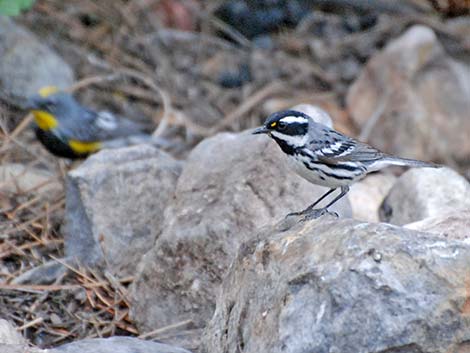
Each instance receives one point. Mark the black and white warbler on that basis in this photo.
(324, 156)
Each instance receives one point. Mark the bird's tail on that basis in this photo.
(405, 162)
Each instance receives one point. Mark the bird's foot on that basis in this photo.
(295, 214)
(314, 214)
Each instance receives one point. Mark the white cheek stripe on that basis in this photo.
(297, 141)
(294, 119)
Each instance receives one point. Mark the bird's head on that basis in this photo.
(49, 106)
(288, 128)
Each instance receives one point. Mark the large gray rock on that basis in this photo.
(11, 340)
(115, 203)
(454, 223)
(100, 345)
(27, 64)
(230, 185)
(419, 95)
(423, 193)
(9, 334)
(20, 348)
(116, 345)
(343, 286)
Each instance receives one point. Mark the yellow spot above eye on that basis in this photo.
(274, 124)
(80, 147)
(45, 120)
(47, 91)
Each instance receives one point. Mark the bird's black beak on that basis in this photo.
(260, 130)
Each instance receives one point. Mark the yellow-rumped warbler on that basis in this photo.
(324, 156)
(68, 129)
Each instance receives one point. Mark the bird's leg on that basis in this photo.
(310, 208)
(344, 191)
(317, 213)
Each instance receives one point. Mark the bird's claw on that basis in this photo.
(300, 213)
(310, 214)
(292, 214)
(314, 214)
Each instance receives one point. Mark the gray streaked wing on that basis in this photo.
(349, 151)
(91, 127)
(109, 126)
(79, 126)
(333, 147)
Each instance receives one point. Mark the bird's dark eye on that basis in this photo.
(281, 125)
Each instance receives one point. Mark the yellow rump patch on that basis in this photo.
(47, 91)
(273, 124)
(45, 120)
(84, 147)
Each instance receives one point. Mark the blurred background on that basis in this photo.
(395, 74)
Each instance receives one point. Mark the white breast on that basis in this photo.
(318, 177)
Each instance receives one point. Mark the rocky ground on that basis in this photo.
(184, 247)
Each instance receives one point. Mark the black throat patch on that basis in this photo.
(285, 147)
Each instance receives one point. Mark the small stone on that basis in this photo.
(55, 319)
(367, 195)
(115, 203)
(425, 192)
(420, 94)
(27, 64)
(19, 178)
(9, 334)
(45, 273)
(376, 256)
(236, 78)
